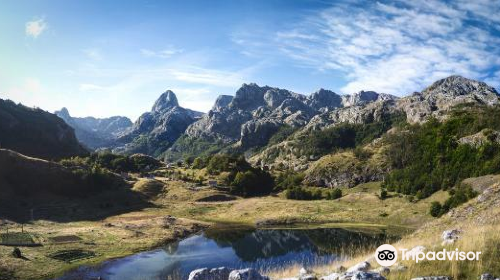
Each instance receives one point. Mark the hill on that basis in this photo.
(36, 133)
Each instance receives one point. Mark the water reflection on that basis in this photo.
(262, 249)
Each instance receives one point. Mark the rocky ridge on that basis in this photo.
(157, 130)
(95, 132)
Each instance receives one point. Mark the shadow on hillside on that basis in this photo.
(64, 209)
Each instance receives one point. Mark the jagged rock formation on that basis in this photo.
(256, 113)
(35, 132)
(157, 130)
(441, 96)
(93, 132)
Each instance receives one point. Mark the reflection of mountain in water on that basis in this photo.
(262, 244)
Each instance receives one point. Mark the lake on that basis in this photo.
(237, 248)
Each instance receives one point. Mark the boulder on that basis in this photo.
(246, 274)
(486, 276)
(383, 270)
(362, 275)
(333, 276)
(362, 266)
(221, 273)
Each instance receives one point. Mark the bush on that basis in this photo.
(299, 193)
(222, 162)
(334, 194)
(252, 182)
(435, 210)
(289, 179)
(383, 194)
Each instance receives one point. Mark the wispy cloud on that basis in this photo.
(165, 53)
(396, 47)
(35, 27)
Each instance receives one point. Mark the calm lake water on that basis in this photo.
(261, 249)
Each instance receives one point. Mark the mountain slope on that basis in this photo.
(35, 132)
(93, 132)
(155, 131)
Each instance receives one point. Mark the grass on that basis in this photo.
(480, 232)
(139, 230)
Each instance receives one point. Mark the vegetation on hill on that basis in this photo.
(36, 133)
(187, 147)
(114, 162)
(345, 136)
(428, 157)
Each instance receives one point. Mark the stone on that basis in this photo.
(340, 268)
(452, 234)
(362, 266)
(304, 271)
(362, 275)
(333, 276)
(308, 277)
(486, 276)
(221, 273)
(246, 274)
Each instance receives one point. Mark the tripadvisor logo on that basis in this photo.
(387, 255)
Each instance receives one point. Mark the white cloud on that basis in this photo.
(397, 47)
(165, 53)
(36, 27)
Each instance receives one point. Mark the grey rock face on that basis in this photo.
(155, 131)
(441, 96)
(94, 132)
(246, 274)
(481, 138)
(222, 102)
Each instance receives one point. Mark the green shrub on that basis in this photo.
(289, 179)
(334, 194)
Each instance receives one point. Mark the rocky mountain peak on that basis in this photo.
(166, 101)
(324, 99)
(63, 113)
(359, 98)
(222, 102)
(249, 96)
(458, 86)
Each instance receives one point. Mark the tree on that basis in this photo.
(383, 194)
(436, 209)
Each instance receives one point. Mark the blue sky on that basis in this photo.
(104, 58)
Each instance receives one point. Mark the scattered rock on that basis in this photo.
(362, 266)
(246, 274)
(450, 236)
(308, 277)
(362, 275)
(221, 273)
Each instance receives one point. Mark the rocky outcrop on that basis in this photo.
(36, 133)
(246, 274)
(94, 132)
(155, 131)
(221, 273)
(486, 136)
(437, 99)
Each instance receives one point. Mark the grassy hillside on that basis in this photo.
(36, 133)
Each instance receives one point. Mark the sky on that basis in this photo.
(103, 58)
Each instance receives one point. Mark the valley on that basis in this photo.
(79, 194)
